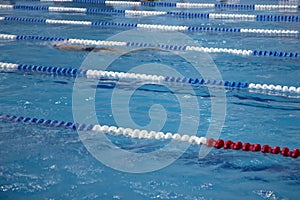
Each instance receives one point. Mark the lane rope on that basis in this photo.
(270, 32)
(244, 17)
(144, 134)
(241, 52)
(183, 5)
(100, 74)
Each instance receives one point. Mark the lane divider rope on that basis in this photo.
(242, 52)
(184, 5)
(156, 26)
(144, 134)
(245, 17)
(100, 74)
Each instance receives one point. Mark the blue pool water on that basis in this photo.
(38, 162)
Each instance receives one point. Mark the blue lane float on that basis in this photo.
(45, 122)
(244, 17)
(249, 7)
(270, 32)
(94, 43)
(153, 135)
(123, 76)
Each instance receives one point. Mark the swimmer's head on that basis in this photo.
(57, 44)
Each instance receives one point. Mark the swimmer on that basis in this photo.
(69, 47)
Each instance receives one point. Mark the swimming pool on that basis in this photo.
(44, 161)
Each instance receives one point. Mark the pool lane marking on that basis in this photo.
(243, 17)
(154, 135)
(184, 5)
(158, 79)
(241, 52)
(270, 32)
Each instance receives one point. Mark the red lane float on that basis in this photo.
(228, 144)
